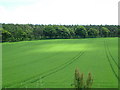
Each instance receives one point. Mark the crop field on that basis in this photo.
(52, 63)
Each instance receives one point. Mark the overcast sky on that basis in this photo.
(83, 12)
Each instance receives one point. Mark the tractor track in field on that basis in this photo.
(112, 56)
(51, 71)
(35, 61)
(110, 61)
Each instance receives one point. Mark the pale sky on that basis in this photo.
(83, 12)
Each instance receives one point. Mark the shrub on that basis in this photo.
(89, 81)
(79, 80)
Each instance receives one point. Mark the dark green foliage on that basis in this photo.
(22, 32)
(119, 32)
(49, 31)
(92, 32)
(81, 31)
(6, 35)
(105, 31)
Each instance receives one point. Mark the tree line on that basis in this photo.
(24, 32)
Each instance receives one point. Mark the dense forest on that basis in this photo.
(23, 32)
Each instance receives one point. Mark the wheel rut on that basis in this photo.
(51, 71)
(107, 55)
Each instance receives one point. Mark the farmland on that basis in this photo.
(51, 63)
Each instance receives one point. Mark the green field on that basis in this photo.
(51, 63)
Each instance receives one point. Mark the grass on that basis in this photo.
(51, 63)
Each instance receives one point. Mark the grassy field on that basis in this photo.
(51, 63)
